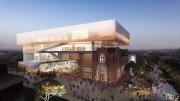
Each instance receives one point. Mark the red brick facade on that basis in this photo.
(115, 60)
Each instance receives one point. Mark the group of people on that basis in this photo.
(91, 90)
(87, 89)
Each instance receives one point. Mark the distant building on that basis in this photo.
(11, 58)
(132, 57)
(13, 62)
(93, 48)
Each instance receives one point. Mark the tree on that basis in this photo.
(155, 58)
(146, 58)
(178, 53)
(50, 88)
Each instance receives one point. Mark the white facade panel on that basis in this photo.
(96, 31)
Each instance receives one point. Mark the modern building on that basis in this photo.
(92, 48)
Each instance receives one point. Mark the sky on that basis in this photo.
(152, 24)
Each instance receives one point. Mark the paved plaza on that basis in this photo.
(79, 89)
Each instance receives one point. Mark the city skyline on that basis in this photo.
(152, 25)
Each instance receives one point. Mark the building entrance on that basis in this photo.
(101, 73)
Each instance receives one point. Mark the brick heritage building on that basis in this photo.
(109, 63)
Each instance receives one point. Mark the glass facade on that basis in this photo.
(33, 52)
(76, 46)
(55, 48)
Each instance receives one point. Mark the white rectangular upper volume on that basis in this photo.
(109, 30)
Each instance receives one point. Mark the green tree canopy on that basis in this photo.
(49, 88)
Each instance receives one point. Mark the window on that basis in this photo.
(102, 58)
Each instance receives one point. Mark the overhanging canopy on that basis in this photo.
(110, 31)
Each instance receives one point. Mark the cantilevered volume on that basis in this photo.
(92, 49)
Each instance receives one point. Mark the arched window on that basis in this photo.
(102, 58)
